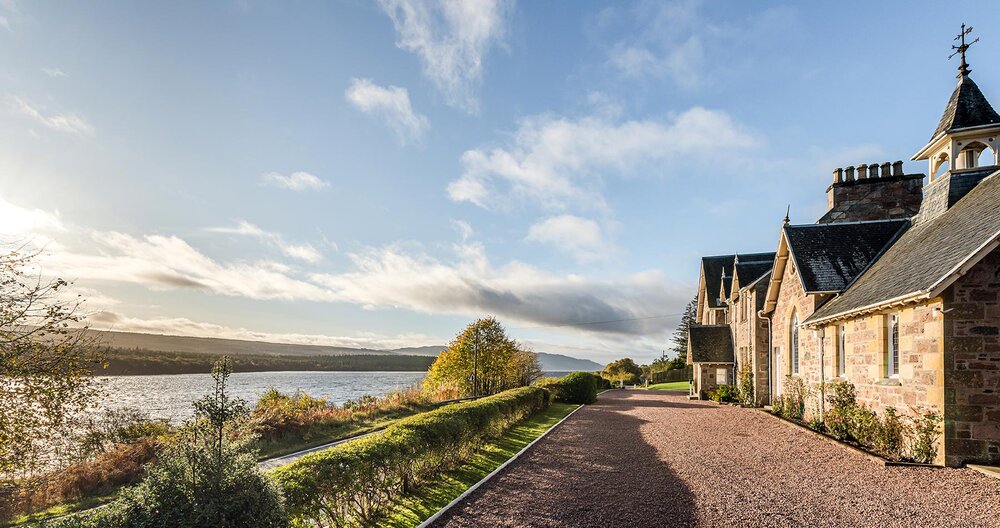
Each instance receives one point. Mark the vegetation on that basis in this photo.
(724, 394)
(912, 437)
(622, 371)
(136, 361)
(45, 368)
(201, 479)
(680, 336)
(575, 387)
(356, 483)
(482, 360)
(673, 385)
(437, 492)
(744, 387)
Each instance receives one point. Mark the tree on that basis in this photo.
(46, 364)
(203, 478)
(622, 371)
(680, 336)
(482, 360)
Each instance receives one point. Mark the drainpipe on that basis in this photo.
(770, 351)
(820, 334)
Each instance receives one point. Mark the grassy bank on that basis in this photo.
(673, 385)
(413, 509)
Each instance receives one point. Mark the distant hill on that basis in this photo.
(549, 362)
(236, 347)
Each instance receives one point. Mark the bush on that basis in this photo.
(745, 393)
(576, 387)
(925, 429)
(353, 484)
(724, 393)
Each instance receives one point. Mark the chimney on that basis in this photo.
(873, 192)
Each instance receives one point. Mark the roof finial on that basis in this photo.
(963, 69)
(787, 210)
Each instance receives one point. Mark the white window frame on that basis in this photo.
(892, 347)
(842, 350)
(794, 345)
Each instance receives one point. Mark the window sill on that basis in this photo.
(890, 382)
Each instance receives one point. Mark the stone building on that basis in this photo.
(745, 300)
(710, 354)
(896, 288)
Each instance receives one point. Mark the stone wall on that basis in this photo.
(874, 199)
(793, 299)
(706, 378)
(972, 365)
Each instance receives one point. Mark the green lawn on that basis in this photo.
(673, 385)
(436, 494)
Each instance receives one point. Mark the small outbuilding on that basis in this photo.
(710, 353)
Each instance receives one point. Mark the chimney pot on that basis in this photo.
(862, 171)
(897, 168)
(873, 170)
(838, 175)
(849, 174)
(886, 169)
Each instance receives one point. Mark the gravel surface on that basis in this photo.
(639, 458)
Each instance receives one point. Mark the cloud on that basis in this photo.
(69, 123)
(581, 237)
(304, 252)
(4, 23)
(557, 162)
(675, 40)
(451, 37)
(54, 72)
(23, 222)
(391, 104)
(392, 277)
(113, 320)
(464, 229)
(296, 181)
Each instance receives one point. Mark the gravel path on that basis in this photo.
(639, 458)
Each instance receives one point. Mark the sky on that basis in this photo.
(379, 174)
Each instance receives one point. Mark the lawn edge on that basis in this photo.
(430, 520)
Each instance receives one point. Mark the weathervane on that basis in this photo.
(963, 69)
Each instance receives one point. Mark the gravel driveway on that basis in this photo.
(638, 458)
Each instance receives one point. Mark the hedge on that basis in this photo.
(575, 387)
(354, 484)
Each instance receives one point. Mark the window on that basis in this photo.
(892, 348)
(842, 350)
(720, 376)
(794, 345)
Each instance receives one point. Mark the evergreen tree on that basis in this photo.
(680, 336)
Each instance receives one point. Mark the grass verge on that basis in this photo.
(673, 385)
(413, 509)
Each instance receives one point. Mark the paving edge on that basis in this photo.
(430, 520)
(989, 471)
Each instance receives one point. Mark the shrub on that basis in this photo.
(724, 393)
(354, 483)
(889, 435)
(925, 429)
(795, 395)
(841, 399)
(576, 387)
(118, 426)
(863, 425)
(745, 392)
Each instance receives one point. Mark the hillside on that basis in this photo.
(185, 346)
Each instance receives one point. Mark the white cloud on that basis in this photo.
(452, 37)
(113, 320)
(391, 104)
(675, 40)
(23, 222)
(54, 72)
(296, 181)
(69, 123)
(4, 23)
(581, 237)
(464, 229)
(556, 162)
(305, 252)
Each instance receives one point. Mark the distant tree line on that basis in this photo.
(137, 361)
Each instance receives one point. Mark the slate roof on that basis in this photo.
(966, 108)
(829, 256)
(749, 272)
(710, 344)
(925, 254)
(712, 268)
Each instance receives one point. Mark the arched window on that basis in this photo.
(842, 350)
(939, 166)
(794, 345)
(892, 347)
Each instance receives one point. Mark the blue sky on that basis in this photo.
(380, 173)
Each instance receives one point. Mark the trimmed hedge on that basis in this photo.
(575, 387)
(354, 484)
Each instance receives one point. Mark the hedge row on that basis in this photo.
(355, 483)
(576, 387)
